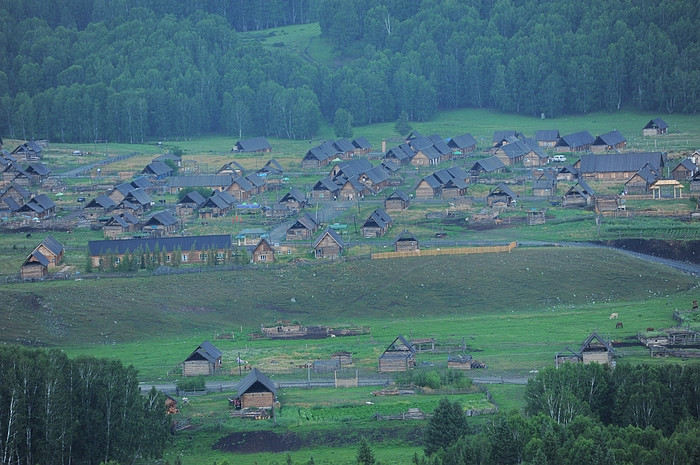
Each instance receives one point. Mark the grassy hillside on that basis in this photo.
(527, 303)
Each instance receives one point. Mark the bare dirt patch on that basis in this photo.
(252, 442)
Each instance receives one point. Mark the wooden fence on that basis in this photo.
(443, 251)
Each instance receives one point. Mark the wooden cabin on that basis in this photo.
(399, 356)
(567, 355)
(576, 142)
(205, 360)
(609, 142)
(685, 170)
(256, 391)
(263, 252)
(397, 201)
(48, 254)
(303, 228)
(328, 245)
(377, 224)
(617, 167)
(343, 358)
(547, 137)
(655, 127)
(406, 242)
(578, 195)
(642, 181)
(253, 145)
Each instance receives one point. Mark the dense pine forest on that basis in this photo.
(129, 71)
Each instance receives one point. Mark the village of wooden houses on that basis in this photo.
(261, 217)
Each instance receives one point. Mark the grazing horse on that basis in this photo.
(650, 329)
(618, 325)
(613, 316)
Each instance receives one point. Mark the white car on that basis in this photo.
(558, 158)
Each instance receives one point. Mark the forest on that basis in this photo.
(131, 71)
(56, 410)
(581, 414)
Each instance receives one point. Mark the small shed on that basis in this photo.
(502, 195)
(609, 142)
(399, 356)
(256, 391)
(406, 242)
(578, 195)
(685, 170)
(535, 217)
(205, 360)
(655, 127)
(459, 362)
(595, 349)
(344, 358)
(377, 224)
(46, 255)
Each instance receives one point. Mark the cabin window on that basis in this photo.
(289, 251)
(279, 252)
(202, 257)
(184, 257)
(167, 259)
(117, 260)
(153, 258)
(263, 258)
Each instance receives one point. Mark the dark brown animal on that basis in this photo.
(695, 304)
(649, 329)
(618, 325)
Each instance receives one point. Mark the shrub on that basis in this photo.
(195, 383)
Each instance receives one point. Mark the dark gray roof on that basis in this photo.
(584, 187)
(204, 180)
(164, 218)
(38, 169)
(139, 196)
(272, 166)
(331, 232)
(500, 136)
(596, 336)
(488, 164)
(547, 135)
(442, 147)
(39, 257)
(24, 193)
(377, 174)
(326, 184)
(232, 166)
(647, 173)
(397, 194)
(610, 138)
(344, 145)
(432, 181)
(504, 189)
(631, 161)
(361, 143)
(687, 164)
(379, 218)
(244, 183)
(656, 123)
(462, 142)
(402, 152)
(353, 167)
(157, 168)
(168, 244)
(53, 245)
(141, 182)
(211, 349)
(390, 167)
(305, 221)
(101, 201)
(257, 381)
(575, 140)
(394, 347)
(12, 204)
(420, 143)
(193, 197)
(255, 180)
(405, 235)
(294, 194)
(255, 144)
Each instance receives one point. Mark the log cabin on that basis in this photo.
(400, 355)
(328, 245)
(256, 391)
(204, 360)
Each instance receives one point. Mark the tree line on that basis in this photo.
(129, 71)
(54, 410)
(646, 414)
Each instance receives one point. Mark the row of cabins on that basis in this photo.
(445, 183)
(353, 179)
(329, 151)
(431, 150)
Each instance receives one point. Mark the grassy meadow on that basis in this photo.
(513, 311)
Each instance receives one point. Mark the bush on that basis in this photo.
(195, 383)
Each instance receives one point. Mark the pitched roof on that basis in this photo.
(575, 140)
(397, 194)
(344, 145)
(401, 152)
(257, 380)
(504, 189)
(254, 144)
(688, 164)
(394, 347)
(499, 136)
(432, 181)
(168, 244)
(326, 184)
(164, 218)
(377, 174)
(596, 336)
(232, 166)
(53, 245)
(334, 235)
(361, 143)
(405, 235)
(488, 164)
(547, 135)
(141, 182)
(192, 197)
(389, 166)
(38, 169)
(378, 217)
(39, 257)
(305, 221)
(462, 142)
(647, 173)
(294, 194)
(272, 166)
(656, 123)
(624, 162)
(158, 168)
(610, 138)
(139, 196)
(203, 180)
